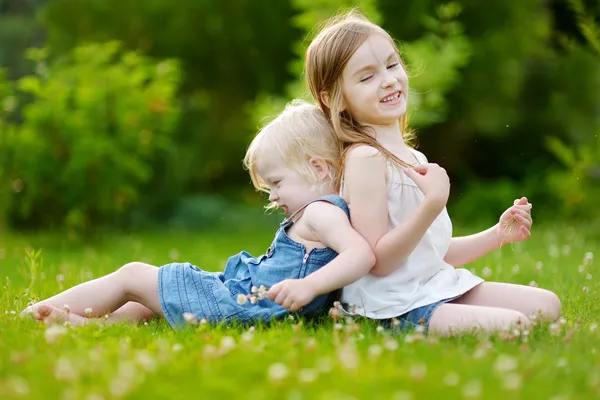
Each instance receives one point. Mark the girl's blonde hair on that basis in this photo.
(326, 58)
(300, 132)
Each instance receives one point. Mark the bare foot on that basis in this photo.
(50, 315)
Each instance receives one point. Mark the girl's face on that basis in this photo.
(288, 188)
(375, 85)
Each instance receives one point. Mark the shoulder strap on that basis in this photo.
(331, 198)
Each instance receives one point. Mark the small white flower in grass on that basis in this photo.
(418, 371)
(291, 317)
(512, 381)
(581, 269)
(13, 312)
(177, 347)
(254, 300)
(64, 370)
(278, 372)
(486, 272)
(375, 350)
(555, 328)
(88, 312)
(254, 289)
(390, 345)
(203, 321)
(395, 322)
(472, 389)
(588, 258)
(553, 251)
(451, 379)
(145, 360)
(348, 356)
(380, 329)
(242, 299)
(562, 321)
(18, 385)
(562, 362)
(409, 338)
(505, 363)
(420, 329)
(54, 332)
(593, 327)
(173, 254)
(515, 269)
(190, 318)
(324, 365)
(585, 289)
(307, 375)
(227, 343)
(60, 277)
(533, 284)
(210, 351)
(588, 276)
(247, 336)
(403, 395)
(539, 266)
(338, 327)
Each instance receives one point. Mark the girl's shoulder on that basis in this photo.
(362, 151)
(421, 158)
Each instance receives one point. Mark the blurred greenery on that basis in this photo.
(504, 95)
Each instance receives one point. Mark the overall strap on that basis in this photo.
(331, 198)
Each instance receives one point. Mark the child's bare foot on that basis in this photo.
(50, 315)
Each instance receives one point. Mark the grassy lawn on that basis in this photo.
(290, 360)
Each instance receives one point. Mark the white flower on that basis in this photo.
(505, 363)
(54, 332)
(375, 350)
(451, 379)
(227, 343)
(278, 371)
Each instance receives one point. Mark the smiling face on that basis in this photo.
(374, 83)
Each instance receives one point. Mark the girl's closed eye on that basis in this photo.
(366, 78)
(394, 65)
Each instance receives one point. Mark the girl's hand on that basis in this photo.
(433, 182)
(292, 294)
(515, 223)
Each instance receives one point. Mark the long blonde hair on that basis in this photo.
(326, 58)
(300, 132)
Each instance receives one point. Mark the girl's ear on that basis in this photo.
(325, 98)
(320, 166)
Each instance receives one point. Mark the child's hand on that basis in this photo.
(433, 182)
(515, 223)
(292, 294)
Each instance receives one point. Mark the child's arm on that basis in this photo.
(366, 189)
(466, 249)
(355, 258)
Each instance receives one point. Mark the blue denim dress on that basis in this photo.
(185, 288)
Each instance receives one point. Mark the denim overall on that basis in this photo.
(185, 288)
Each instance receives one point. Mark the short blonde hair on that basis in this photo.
(300, 132)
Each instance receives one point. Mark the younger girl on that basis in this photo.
(398, 199)
(294, 159)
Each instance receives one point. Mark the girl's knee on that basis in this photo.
(549, 306)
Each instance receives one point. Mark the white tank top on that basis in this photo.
(424, 277)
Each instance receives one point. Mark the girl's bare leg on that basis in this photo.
(451, 318)
(118, 291)
(531, 301)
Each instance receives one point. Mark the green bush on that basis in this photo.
(94, 121)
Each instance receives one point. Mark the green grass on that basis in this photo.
(286, 360)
